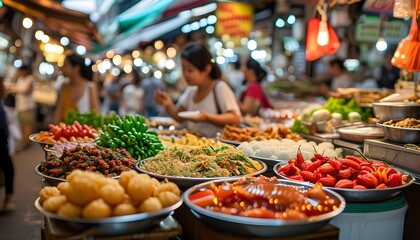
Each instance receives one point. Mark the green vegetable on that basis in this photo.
(344, 107)
(92, 118)
(130, 133)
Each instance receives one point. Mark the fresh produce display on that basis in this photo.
(92, 196)
(249, 133)
(286, 149)
(190, 140)
(345, 107)
(132, 134)
(62, 132)
(92, 118)
(349, 172)
(260, 197)
(94, 159)
(201, 162)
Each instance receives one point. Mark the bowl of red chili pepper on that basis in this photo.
(263, 207)
(355, 178)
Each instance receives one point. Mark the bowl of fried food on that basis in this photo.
(93, 205)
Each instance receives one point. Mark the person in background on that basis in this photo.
(80, 93)
(6, 163)
(113, 93)
(365, 77)
(132, 97)
(25, 103)
(236, 78)
(389, 73)
(253, 97)
(212, 100)
(340, 77)
(150, 85)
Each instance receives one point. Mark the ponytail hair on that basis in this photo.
(256, 67)
(199, 56)
(85, 70)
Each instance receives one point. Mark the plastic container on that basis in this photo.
(371, 221)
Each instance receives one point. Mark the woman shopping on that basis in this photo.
(253, 97)
(212, 101)
(80, 94)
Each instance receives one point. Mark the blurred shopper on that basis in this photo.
(236, 78)
(6, 163)
(80, 93)
(212, 100)
(365, 78)
(389, 73)
(150, 86)
(25, 104)
(253, 97)
(340, 77)
(132, 97)
(113, 94)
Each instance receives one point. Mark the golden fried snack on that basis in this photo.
(167, 198)
(47, 192)
(150, 204)
(97, 209)
(125, 178)
(123, 209)
(53, 203)
(168, 186)
(140, 187)
(63, 187)
(70, 210)
(82, 190)
(113, 194)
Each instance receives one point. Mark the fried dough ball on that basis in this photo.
(168, 187)
(47, 192)
(97, 209)
(125, 178)
(70, 210)
(140, 188)
(113, 194)
(82, 191)
(127, 199)
(74, 175)
(167, 198)
(53, 203)
(124, 209)
(102, 181)
(63, 187)
(151, 204)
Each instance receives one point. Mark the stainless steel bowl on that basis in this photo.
(129, 224)
(186, 182)
(42, 144)
(360, 133)
(396, 110)
(270, 162)
(400, 134)
(363, 195)
(248, 226)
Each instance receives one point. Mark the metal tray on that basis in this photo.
(400, 134)
(247, 226)
(186, 182)
(360, 133)
(270, 162)
(231, 142)
(362, 195)
(111, 226)
(43, 144)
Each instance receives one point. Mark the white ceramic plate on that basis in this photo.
(188, 114)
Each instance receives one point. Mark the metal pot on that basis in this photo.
(396, 110)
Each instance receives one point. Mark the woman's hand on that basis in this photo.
(163, 98)
(201, 117)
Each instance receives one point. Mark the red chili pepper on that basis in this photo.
(395, 180)
(326, 169)
(390, 171)
(308, 176)
(328, 181)
(356, 159)
(285, 170)
(305, 165)
(345, 173)
(314, 166)
(368, 180)
(335, 163)
(317, 156)
(297, 177)
(299, 157)
(58, 134)
(345, 183)
(367, 168)
(350, 163)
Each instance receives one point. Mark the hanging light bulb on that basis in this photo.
(381, 44)
(323, 36)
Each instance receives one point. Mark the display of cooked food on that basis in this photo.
(93, 196)
(201, 162)
(109, 162)
(286, 149)
(404, 123)
(261, 197)
(248, 134)
(349, 172)
(62, 132)
(190, 140)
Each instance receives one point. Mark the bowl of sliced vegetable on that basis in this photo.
(190, 165)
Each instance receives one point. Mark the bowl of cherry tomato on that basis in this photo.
(263, 207)
(355, 178)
